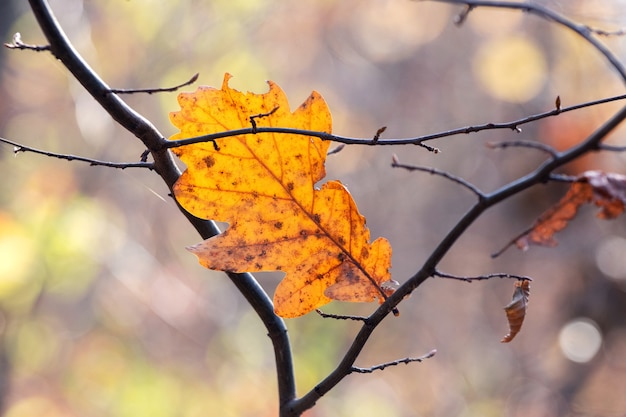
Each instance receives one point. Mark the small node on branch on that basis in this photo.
(337, 149)
(428, 147)
(258, 116)
(377, 135)
(192, 80)
(18, 44)
(462, 17)
(557, 104)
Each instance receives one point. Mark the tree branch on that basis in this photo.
(17, 148)
(524, 144)
(382, 366)
(512, 125)
(480, 277)
(190, 81)
(339, 316)
(164, 165)
(533, 8)
(395, 163)
(428, 269)
(18, 44)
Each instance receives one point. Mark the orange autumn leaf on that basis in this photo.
(605, 190)
(516, 309)
(263, 185)
(557, 218)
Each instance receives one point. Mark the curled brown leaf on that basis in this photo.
(516, 309)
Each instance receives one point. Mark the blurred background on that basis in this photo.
(104, 313)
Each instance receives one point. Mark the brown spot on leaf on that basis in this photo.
(209, 161)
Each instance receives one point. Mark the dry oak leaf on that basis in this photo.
(263, 185)
(605, 190)
(516, 309)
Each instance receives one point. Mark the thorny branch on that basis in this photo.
(164, 166)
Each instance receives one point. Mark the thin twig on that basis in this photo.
(418, 140)
(260, 115)
(564, 178)
(511, 242)
(524, 144)
(611, 148)
(17, 148)
(601, 32)
(192, 80)
(480, 277)
(429, 266)
(18, 44)
(382, 366)
(428, 147)
(547, 14)
(395, 163)
(339, 317)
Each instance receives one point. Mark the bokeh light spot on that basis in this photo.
(610, 258)
(511, 68)
(388, 31)
(580, 340)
